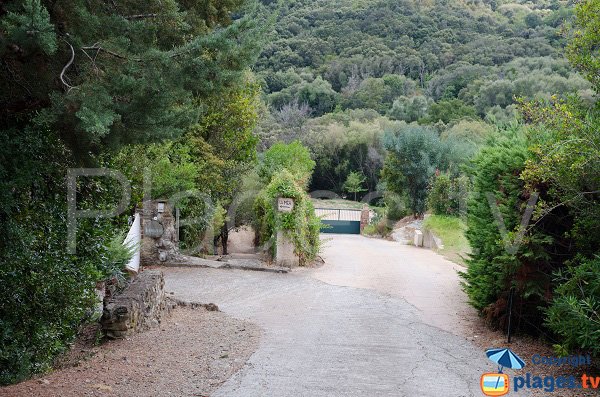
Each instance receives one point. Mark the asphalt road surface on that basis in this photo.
(379, 319)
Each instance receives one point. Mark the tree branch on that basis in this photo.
(64, 70)
(140, 16)
(114, 54)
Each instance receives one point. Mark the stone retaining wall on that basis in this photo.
(140, 306)
(431, 241)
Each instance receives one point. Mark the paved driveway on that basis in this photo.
(363, 325)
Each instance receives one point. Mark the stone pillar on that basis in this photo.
(159, 237)
(364, 217)
(418, 240)
(284, 251)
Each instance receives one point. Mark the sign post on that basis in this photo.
(285, 204)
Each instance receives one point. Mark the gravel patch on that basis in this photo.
(190, 354)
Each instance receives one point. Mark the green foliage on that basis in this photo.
(583, 47)
(117, 256)
(414, 155)
(446, 194)
(354, 183)
(301, 224)
(101, 89)
(565, 163)
(31, 26)
(84, 80)
(493, 267)
(575, 310)
(208, 161)
(345, 142)
(496, 171)
(373, 52)
(567, 158)
(379, 225)
(317, 94)
(447, 111)
(376, 93)
(409, 109)
(47, 293)
(293, 157)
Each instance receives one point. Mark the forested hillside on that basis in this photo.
(480, 52)
(426, 61)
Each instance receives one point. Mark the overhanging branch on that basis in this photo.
(64, 70)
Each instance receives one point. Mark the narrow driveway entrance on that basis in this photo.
(359, 337)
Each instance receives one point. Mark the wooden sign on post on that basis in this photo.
(285, 204)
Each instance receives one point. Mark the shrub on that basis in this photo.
(438, 197)
(379, 225)
(46, 292)
(575, 310)
(446, 194)
(301, 223)
(414, 154)
(294, 157)
(492, 269)
(395, 205)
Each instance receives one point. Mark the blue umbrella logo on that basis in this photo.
(504, 358)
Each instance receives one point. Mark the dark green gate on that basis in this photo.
(341, 227)
(340, 221)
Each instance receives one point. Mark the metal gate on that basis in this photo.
(342, 221)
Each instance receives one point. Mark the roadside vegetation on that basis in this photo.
(285, 172)
(101, 84)
(451, 230)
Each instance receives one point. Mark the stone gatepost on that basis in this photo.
(364, 217)
(285, 255)
(160, 239)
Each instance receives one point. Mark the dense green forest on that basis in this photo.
(433, 104)
(434, 62)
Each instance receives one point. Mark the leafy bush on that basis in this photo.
(294, 157)
(395, 205)
(301, 223)
(575, 310)
(448, 110)
(415, 153)
(379, 225)
(492, 268)
(46, 292)
(446, 194)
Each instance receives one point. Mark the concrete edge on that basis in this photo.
(224, 265)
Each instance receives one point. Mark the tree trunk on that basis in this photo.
(216, 244)
(224, 238)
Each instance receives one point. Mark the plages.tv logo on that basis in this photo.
(498, 384)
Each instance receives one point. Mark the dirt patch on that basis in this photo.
(241, 241)
(190, 354)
